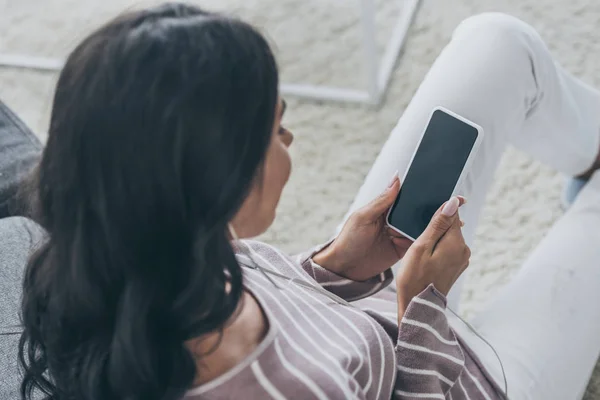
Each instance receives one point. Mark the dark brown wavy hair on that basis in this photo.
(160, 123)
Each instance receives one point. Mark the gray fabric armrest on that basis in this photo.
(19, 151)
(18, 237)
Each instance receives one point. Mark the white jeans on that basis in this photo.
(497, 72)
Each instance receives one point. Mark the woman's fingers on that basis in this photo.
(454, 232)
(461, 201)
(382, 203)
(401, 241)
(453, 247)
(394, 233)
(401, 245)
(441, 222)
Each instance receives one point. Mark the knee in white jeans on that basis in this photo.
(504, 40)
(495, 24)
(500, 50)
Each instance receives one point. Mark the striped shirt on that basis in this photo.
(317, 348)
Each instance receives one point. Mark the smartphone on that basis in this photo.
(446, 149)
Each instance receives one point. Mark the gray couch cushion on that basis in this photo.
(19, 152)
(18, 237)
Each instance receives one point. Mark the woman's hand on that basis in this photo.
(366, 246)
(439, 256)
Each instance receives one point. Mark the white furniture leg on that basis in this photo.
(377, 72)
(30, 62)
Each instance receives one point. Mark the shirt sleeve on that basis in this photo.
(347, 289)
(430, 359)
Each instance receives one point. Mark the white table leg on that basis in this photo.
(30, 62)
(377, 75)
(369, 44)
(396, 42)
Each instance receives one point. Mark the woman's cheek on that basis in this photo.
(288, 166)
(283, 172)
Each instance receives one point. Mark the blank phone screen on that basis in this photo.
(434, 172)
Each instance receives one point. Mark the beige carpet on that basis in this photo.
(336, 144)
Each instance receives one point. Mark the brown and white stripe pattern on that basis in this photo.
(317, 348)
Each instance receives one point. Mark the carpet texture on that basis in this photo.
(316, 41)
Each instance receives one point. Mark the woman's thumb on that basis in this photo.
(442, 221)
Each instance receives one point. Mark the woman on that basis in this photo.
(166, 143)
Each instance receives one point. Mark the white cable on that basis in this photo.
(489, 345)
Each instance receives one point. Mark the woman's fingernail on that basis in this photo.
(451, 207)
(393, 179)
(464, 199)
